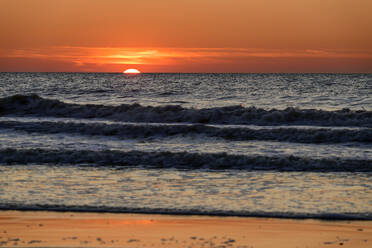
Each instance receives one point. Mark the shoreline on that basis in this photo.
(320, 217)
(88, 229)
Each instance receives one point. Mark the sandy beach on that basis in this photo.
(69, 229)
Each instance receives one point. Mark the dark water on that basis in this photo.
(284, 145)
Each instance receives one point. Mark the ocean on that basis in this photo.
(262, 145)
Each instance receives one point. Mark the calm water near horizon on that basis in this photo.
(276, 145)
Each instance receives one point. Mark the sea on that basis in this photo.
(260, 145)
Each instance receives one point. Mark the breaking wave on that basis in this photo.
(182, 160)
(308, 135)
(38, 106)
(202, 212)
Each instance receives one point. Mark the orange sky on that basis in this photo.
(186, 35)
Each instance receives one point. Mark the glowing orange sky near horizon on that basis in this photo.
(186, 35)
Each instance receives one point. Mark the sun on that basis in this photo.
(131, 71)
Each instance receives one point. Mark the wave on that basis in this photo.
(259, 214)
(181, 160)
(38, 106)
(308, 135)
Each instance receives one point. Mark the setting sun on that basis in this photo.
(131, 71)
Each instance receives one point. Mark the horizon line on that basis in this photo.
(119, 72)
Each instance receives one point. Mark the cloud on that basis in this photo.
(81, 56)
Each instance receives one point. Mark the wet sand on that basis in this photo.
(55, 229)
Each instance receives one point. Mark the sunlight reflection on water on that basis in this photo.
(240, 192)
